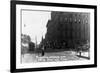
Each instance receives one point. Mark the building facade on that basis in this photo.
(68, 29)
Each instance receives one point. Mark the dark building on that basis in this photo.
(68, 29)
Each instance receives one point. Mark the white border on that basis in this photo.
(52, 64)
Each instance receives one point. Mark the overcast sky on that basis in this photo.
(34, 24)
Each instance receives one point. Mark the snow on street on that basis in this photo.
(51, 57)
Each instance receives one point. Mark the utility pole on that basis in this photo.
(35, 41)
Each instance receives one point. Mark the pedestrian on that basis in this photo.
(43, 51)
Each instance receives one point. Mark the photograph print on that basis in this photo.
(51, 36)
(55, 36)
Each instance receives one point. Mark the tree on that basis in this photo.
(25, 38)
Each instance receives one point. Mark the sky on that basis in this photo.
(34, 24)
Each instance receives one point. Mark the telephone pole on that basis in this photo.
(35, 41)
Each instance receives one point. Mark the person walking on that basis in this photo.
(43, 51)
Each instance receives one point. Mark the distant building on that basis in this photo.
(26, 44)
(68, 29)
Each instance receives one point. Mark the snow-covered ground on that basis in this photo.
(50, 57)
(85, 54)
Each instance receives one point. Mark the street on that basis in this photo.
(51, 57)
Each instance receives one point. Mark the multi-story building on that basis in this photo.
(68, 29)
